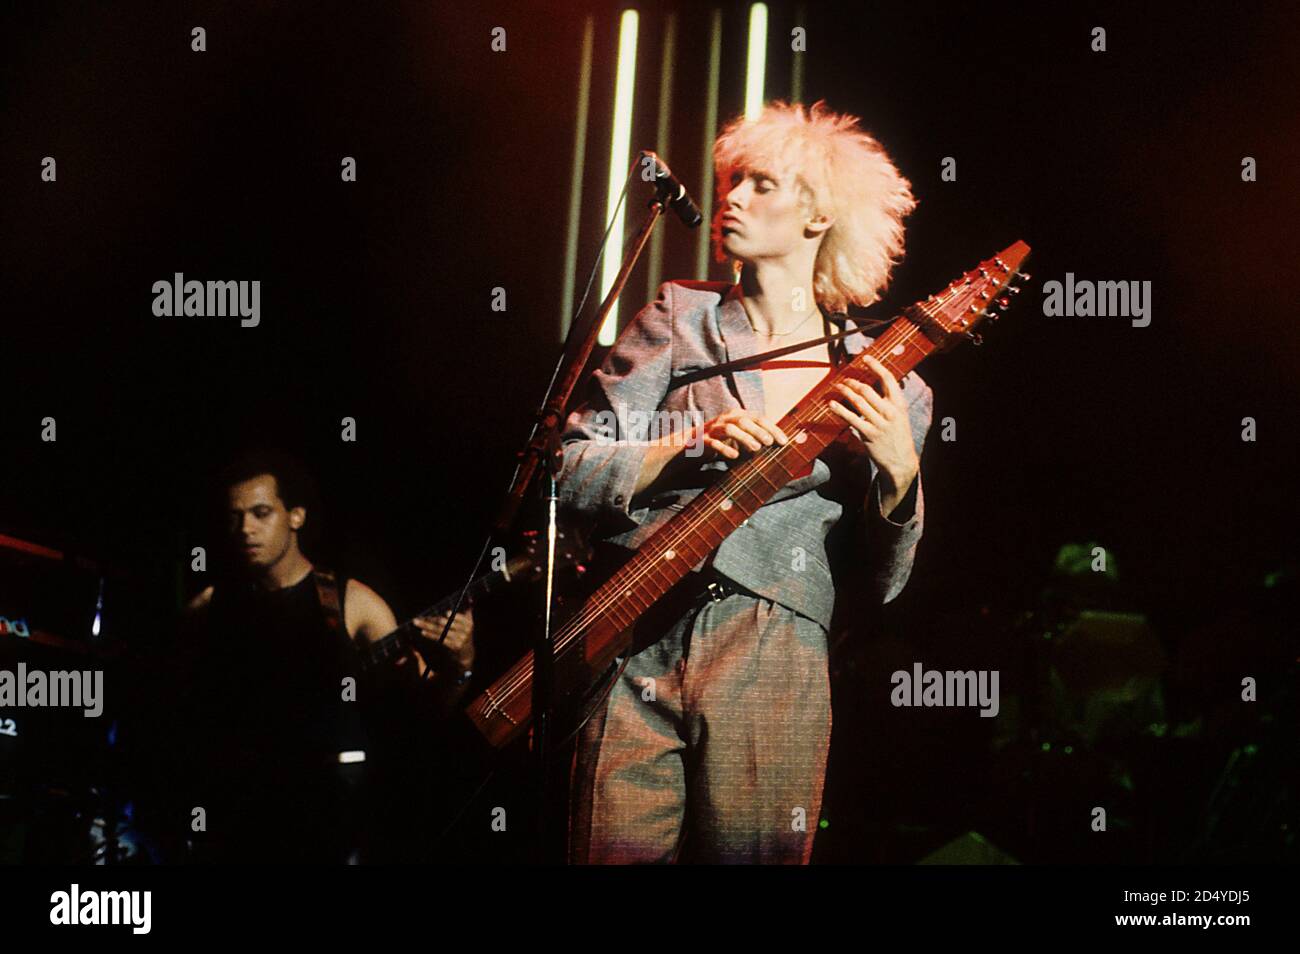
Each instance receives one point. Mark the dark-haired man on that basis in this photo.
(275, 684)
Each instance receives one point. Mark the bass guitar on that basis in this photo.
(587, 644)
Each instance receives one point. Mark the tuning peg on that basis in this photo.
(1014, 289)
(1025, 275)
(1004, 301)
(976, 338)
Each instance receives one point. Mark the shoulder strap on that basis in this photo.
(835, 348)
(739, 364)
(327, 590)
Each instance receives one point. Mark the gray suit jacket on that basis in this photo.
(780, 552)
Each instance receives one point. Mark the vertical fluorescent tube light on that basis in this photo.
(756, 63)
(575, 178)
(619, 163)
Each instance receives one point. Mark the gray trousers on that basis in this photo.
(712, 745)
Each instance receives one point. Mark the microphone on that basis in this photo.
(669, 190)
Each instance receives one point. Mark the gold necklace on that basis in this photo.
(782, 334)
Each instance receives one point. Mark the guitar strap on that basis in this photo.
(327, 590)
(837, 352)
(348, 733)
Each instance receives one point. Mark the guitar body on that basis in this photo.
(575, 675)
(582, 674)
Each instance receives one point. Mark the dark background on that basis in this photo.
(1123, 165)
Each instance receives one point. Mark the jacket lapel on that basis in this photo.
(853, 344)
(740, 342)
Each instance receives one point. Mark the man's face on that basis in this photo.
(261, 529)
(764, 215)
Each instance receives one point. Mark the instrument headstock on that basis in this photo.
(964, 304)
(572, 549)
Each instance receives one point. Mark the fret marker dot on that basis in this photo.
(669, 554)
(725, 505)
(898, 349)
(801, 437)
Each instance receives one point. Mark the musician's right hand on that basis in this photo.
(731, 435)
(738, 433)
(459, 645)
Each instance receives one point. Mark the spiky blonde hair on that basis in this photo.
(846, 173)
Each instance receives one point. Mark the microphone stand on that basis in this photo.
(544, 449)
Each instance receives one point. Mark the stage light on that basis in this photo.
(756, 62)
(575, 178)
(619, 147)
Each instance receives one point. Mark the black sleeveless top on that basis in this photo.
(269, 714)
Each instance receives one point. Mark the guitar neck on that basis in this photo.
(669, 555)
(400, 641)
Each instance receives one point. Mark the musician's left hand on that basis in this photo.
(882, 424)
(459, 644)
